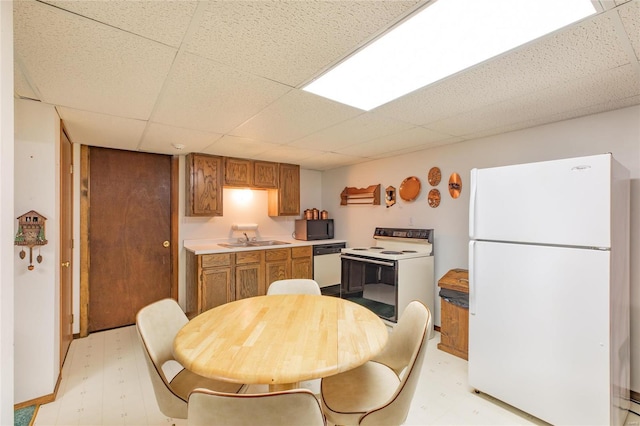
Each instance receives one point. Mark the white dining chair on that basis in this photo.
(380, 391)
(294, 286)
(157, 325)
(296, 407)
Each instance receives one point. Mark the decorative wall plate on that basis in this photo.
(455, 185)
(434, 198)
(410, 188)
(434, 176)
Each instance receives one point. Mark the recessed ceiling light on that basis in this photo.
(442, 39)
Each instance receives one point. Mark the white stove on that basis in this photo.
(387, 276)
(397, 244)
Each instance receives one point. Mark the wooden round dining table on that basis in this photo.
(280, 340)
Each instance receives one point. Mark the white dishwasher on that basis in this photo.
(326, 264)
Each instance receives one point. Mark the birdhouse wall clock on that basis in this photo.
(31, 233)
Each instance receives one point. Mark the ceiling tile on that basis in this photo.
(587, 48)
(330, 160)
(290, 41)
(351, 132)
(293, 116)
(416, 136)
(201, 94)
(288, 154)
(21, 86)
(163, 21)
(630, 16)
(233, 146)
(573, 96)
(88, 128)
(160, 138)
(96, 68)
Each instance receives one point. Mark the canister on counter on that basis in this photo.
(324, 214)
(316, 214)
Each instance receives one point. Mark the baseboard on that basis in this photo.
(42, 399)
(635, 397)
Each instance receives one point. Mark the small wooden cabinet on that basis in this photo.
(250, 277)
(210, 281)
(302, 262)
(454, 328)
(266, 175)
(203, 194)
(215, 279)
(285, 201)
(238, 172)
(246, 173)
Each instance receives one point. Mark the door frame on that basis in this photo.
(85, 206)
(66, 244)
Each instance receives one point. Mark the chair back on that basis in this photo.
(404, 353)
(294, 286)
(292, 407)
(157, 325)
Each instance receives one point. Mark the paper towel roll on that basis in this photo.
(244, 226)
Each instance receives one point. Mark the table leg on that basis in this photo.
(284, 386)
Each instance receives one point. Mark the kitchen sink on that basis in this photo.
(267, 243)
(253, 244)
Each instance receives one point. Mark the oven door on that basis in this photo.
(372, 283)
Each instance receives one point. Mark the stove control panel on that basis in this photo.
(420, 234)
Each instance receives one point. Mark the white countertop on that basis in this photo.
(212, 246)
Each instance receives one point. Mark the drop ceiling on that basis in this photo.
(224, 77)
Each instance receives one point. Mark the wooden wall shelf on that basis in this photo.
(369, 195)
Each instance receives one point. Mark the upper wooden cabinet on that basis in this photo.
(203, 193)
(265, 174)
(238, 172)
(250, 173)
(285, 201)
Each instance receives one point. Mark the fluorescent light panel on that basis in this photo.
(444, 38)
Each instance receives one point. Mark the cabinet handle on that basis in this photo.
(166, 244)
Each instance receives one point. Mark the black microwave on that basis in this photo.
(307, 230)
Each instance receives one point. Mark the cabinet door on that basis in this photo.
(302, 262)
(203, 192)
(217, 288)
(250, 281)
(278, 265)
(265, 174)
(250, 277)
(285, 201)
(302, 268)
(238, 172)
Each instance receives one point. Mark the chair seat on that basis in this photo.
(347, 396)
(186, 381)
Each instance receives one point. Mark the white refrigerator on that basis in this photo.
(549, 288)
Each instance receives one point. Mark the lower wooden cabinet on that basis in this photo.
(250, 279)
(302, 262)
(216, 279)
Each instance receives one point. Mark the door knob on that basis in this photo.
(166, 244)
(65, 264)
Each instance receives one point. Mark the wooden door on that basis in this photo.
(129, 235)
(66, 245)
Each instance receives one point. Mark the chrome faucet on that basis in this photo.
(246, 236)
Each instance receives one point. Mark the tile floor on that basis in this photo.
(105, 382)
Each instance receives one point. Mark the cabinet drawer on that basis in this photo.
(245, 257)
(305, 251)
(214, 260)
(277, 254)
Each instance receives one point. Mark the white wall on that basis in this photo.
(617, 132)
(37, 305)
(6, 213)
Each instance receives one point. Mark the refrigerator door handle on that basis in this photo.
(472, 203)
(472, 280)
